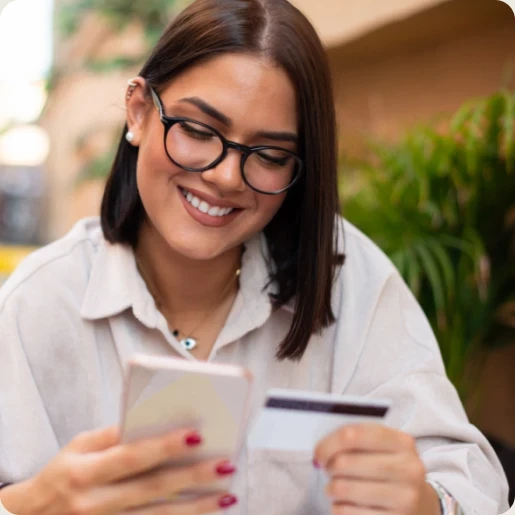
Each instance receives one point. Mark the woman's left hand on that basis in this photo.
(375, 470)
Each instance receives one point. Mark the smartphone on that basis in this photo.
(162, 394)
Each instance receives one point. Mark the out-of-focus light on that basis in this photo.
(25, 58)
(25, 39)
(24, 146)
(21, 102)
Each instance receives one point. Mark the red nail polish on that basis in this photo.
(316, 464)
(193, 439)
(225, 469)
(227, 501)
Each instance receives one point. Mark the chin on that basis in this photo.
(199, 251)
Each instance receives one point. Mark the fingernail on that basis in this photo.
(193, 439)
(227, 501)
(225, 469)
(316, 464)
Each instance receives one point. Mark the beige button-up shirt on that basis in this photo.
(75, 311)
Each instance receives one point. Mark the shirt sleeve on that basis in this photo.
(27, 440)
(401, 361)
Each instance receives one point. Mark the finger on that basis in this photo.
(95, 441)
(164, 483)
(377, 494)
(134, 458)
(350, 509)
(363, 437)
(375, 467)
(204, 504)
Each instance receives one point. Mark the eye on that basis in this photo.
(196, 131)
(278, 159)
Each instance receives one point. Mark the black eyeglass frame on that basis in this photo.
(169, 122)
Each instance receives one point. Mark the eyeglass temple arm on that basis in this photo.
(157, 102)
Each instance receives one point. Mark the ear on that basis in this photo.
(136, 103)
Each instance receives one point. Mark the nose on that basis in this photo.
(226, 175)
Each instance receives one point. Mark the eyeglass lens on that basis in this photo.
(195, 146)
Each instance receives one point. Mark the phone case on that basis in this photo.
(163, 394)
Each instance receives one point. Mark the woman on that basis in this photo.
(219, 240)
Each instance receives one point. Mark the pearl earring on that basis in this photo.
(129, 137)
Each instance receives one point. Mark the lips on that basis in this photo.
(208, 210)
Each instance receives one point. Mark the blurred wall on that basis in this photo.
(420, 67)
(83, 116)
(341, 21)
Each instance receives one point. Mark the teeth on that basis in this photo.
(204, 207)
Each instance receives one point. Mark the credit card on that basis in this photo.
(293, 420)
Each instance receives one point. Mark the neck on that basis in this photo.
(184, 285)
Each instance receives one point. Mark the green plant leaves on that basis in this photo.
(152, 14)
(441, 204)
(508, 127)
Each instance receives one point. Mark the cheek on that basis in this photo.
(268, 205)
(154, 171)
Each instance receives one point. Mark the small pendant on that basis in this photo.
(189, 343)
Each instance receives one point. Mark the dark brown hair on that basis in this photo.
(302, 235)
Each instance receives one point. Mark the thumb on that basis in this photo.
(96, 440)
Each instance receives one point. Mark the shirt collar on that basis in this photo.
(115, 285)
(252, 306)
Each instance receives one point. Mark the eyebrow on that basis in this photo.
(208, 109)
(222, 118)
(278, 136)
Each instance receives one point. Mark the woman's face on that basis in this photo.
(249, 101)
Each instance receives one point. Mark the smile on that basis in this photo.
(204, 207)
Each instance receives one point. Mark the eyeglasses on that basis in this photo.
(197, 147)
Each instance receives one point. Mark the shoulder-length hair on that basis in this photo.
(301, 237)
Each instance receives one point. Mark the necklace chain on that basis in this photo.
(188, 342)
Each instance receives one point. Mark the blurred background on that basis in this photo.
(425, 93)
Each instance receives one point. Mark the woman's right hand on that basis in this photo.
(96, 475)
